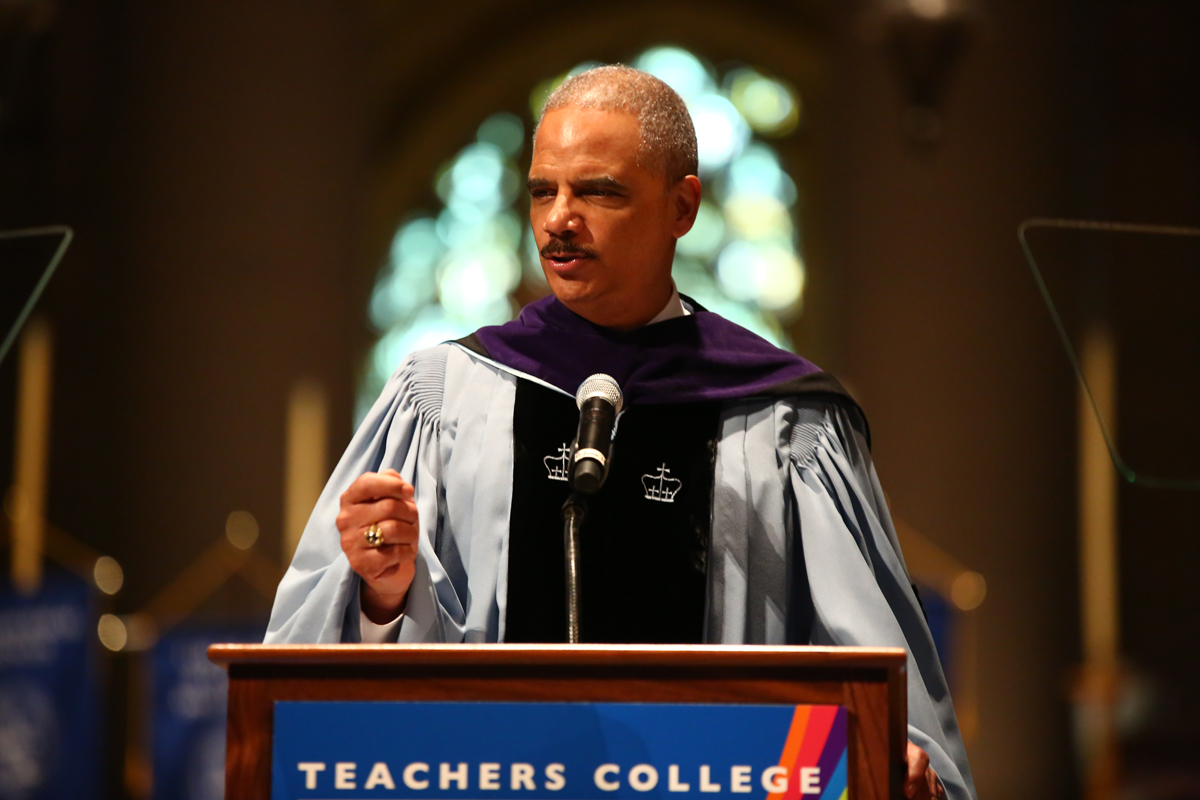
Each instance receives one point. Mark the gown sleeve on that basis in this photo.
(317, 600)
(858, 581)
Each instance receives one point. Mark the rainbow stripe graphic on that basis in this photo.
(817, 738)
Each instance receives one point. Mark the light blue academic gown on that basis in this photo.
(789, 473)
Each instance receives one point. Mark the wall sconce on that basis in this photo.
(924, 40)
(22, 24)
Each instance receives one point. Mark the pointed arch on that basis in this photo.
(746, 256)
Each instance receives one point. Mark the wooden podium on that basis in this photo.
(869, 683)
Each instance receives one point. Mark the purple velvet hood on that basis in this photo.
(699, 357)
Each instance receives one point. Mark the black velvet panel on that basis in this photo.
(643, 560)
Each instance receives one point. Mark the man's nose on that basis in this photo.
(562, 220)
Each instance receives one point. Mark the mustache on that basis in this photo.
(561, 247)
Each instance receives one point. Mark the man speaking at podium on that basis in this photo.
(741, 504)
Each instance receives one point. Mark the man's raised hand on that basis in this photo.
(386, 500)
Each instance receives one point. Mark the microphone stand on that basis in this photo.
(573, 511)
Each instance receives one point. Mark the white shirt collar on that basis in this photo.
(674, 308)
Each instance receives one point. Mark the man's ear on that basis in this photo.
(686, 203)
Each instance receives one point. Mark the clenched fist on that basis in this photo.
(384, 499)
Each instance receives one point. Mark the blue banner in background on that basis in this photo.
(940, 614)
(573, 751)
(49, 692)
(189, 712)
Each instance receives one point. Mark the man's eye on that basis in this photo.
(541, 193)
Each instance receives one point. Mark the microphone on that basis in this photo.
(599, 399)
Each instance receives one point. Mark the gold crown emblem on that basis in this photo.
(559, 467)
(661, 487)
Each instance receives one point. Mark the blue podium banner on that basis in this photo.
(566, 751)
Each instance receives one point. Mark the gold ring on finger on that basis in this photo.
(373, 535)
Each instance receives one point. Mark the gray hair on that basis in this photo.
(668, 136)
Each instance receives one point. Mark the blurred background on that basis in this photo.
(273, 202)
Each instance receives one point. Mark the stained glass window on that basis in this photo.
(460, 267)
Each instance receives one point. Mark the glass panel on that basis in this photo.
(27, 260)
(1125, 302)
